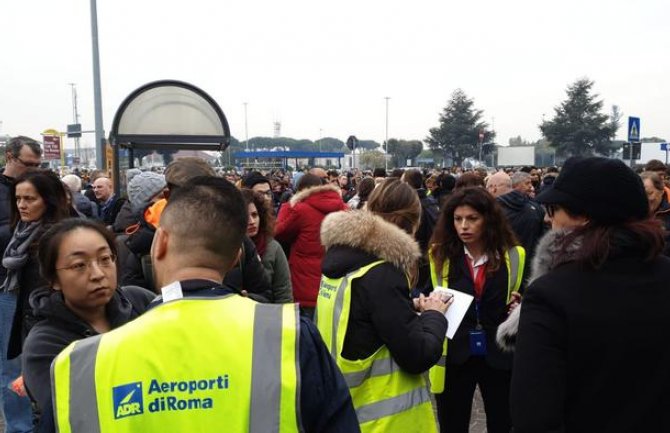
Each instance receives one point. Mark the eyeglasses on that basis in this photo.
(81, 267)
(27, 164)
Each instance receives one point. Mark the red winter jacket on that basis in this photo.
(299, 224)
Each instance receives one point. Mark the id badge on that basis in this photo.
(478, 342)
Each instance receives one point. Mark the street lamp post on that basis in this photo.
(246, 127)
(386, 139)
(97, 93)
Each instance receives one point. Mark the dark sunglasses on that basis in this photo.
(27, 164)
(551, 210)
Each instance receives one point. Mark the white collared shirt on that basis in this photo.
(478, 265)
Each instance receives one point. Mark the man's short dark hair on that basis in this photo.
(14, 146)
(208, 213)
(413, 178)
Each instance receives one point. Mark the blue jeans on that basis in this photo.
(16, 410)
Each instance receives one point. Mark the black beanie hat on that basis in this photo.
(602, 189)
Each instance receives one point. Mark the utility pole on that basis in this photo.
(75, 115)
(386, 140)
(97, 93)
(246, 127)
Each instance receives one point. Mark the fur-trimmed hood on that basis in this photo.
(371, 234)
(548, 256)
(308, 192)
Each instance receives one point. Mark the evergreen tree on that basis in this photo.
(457, 137)
(578, 127)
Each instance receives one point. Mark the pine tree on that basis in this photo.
(578, 127)
(460, 125)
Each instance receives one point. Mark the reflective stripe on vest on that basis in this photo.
(385, 397)
(515, 260)
(86, 374)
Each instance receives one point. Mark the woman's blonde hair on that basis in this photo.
(398, 203)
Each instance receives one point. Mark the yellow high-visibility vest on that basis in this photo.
(515, 259)
(192, 365)
(386, 398)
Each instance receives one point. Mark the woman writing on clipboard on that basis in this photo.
(473, 250)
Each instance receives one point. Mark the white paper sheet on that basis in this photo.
(457, 310)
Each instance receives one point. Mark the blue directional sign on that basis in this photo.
(633, 129)
(664, 147)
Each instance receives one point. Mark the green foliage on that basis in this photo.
(457, 137)
(652, 140)
(578, 126)
(402, 150)
(371, 159)
(518, 141)
(368, 144)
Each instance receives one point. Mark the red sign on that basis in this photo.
(51, 147)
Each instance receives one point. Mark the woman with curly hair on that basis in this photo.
(473, 250)
(260, 230)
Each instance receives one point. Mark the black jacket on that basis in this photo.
(663, 215)
(60, 327)
(382, 312)
(248, 275)
(525, 217)
(5, 216)
(493, 311)
(85, 206)
(30, 280)
(430, 212)
(592, 352)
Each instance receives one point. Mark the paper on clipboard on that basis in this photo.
(457, 310)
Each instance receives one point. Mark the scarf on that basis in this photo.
(261, 243)
(549, 255)
(16, 254)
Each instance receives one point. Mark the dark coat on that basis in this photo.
(430, 212)
(29, 281)
(663, 215)
(85, 206)
(60, 327)
(591, 352)
(298, 225)
(525, 217)
(493, 312)
(381, 312)
(5, 217)
(125, 218)
(108, 212)
(249, 274)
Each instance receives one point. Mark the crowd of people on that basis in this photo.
(315, 301)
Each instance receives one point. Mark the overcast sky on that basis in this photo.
(325, 67)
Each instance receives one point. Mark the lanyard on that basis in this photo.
(479, 282)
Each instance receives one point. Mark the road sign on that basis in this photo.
(74, 130)
(637, 151)
(665, 147)
(352, 142)
(633, 129)
(51, 147)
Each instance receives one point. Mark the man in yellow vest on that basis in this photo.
(205, 359)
